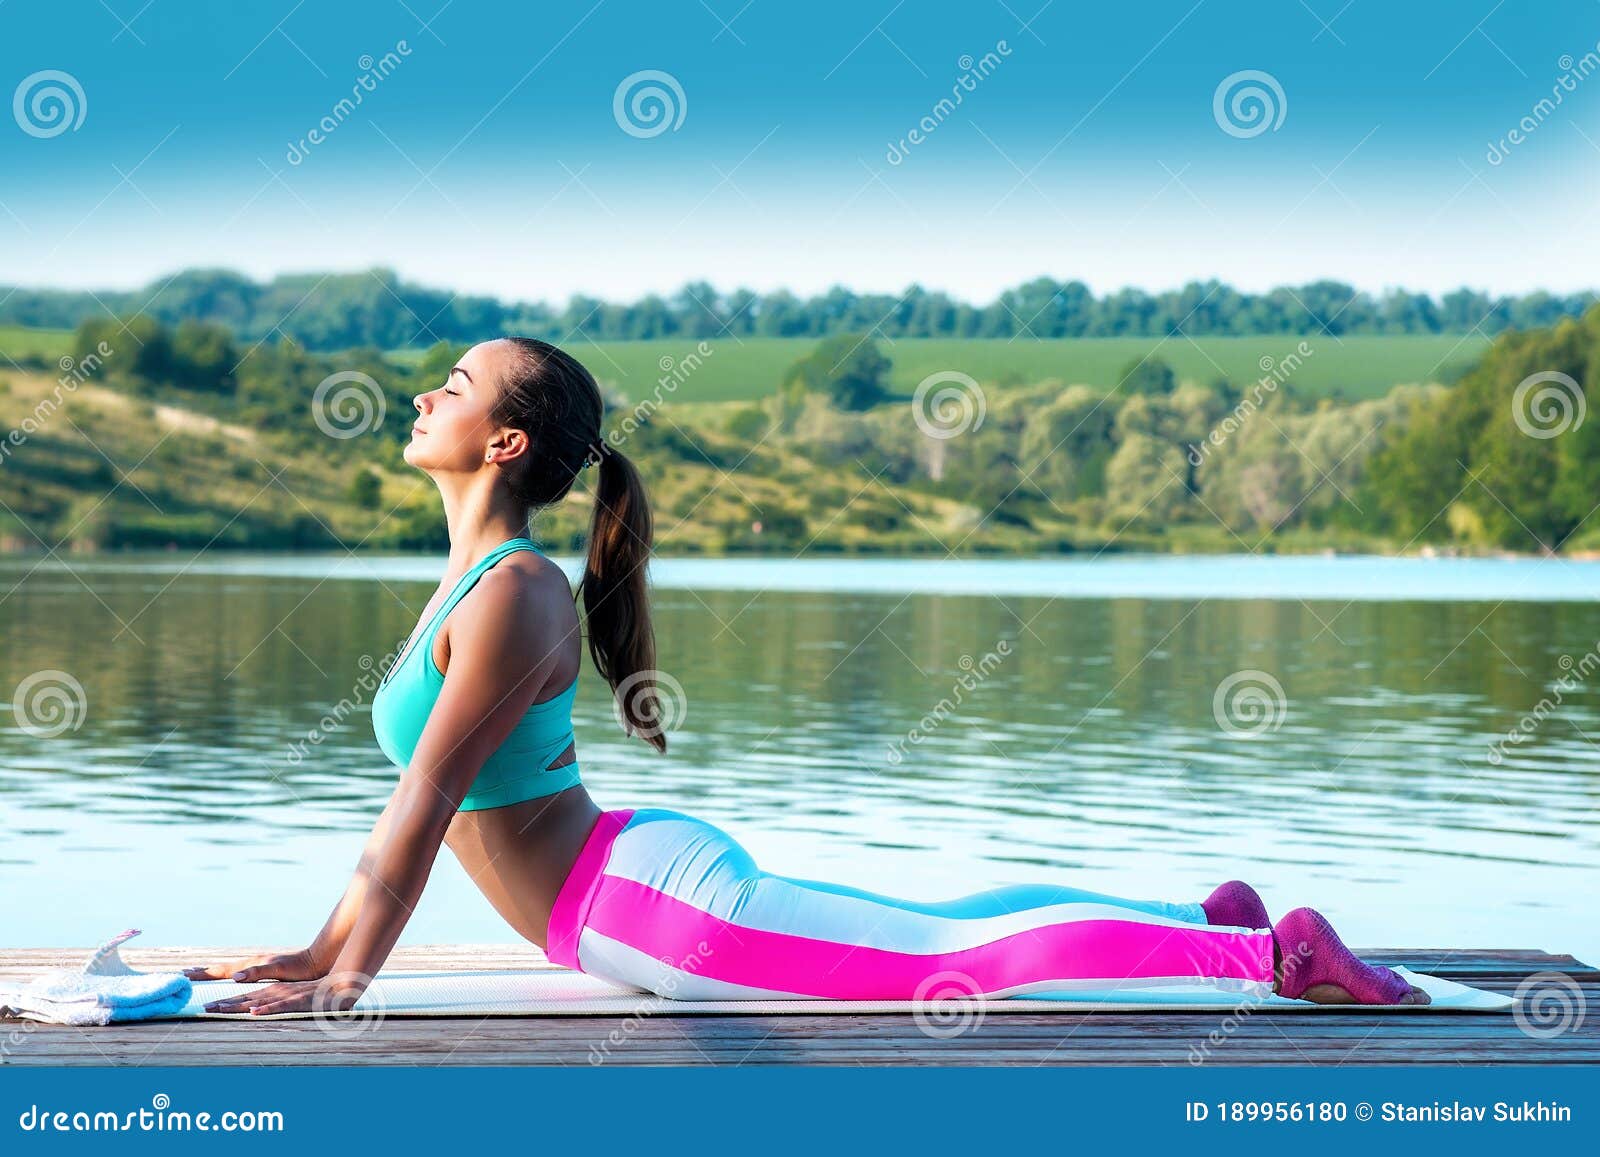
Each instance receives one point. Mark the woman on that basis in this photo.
(477, 711)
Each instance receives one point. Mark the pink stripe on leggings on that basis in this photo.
(571, 907)
(669, 929)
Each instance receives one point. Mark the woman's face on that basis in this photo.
(452, 432)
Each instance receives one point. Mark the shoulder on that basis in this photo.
(520, 606)
(523, 588)
(517, 618)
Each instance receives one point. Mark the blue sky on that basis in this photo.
(491, 159)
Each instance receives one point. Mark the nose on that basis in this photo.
(417, 402)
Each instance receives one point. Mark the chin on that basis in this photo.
(412, 457)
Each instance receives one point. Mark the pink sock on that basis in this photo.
(1313, 954)
(1236, 903)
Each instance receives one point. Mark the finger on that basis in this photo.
(227, 1003)
(232, 969)
(241, 1001)
(289, 967)
(227, 1000)
(274, 967)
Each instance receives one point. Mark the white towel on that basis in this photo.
(105, 989)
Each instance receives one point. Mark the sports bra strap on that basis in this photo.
(463, 584)
(467, 581)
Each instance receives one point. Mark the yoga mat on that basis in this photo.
(562, 992)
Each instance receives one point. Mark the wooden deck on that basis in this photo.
(1260, 1037)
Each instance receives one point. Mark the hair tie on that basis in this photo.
(597, 451)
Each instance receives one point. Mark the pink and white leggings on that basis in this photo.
(673, 905)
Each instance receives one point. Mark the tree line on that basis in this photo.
(376, 309)
(1508, 457)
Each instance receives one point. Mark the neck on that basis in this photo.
(479, 514)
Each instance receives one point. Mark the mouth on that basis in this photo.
(417, 430)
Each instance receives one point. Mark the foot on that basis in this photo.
(1312, 963)
(1236, 903)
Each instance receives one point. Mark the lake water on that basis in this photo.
(1069, 727)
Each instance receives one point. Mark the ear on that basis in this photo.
(509, 444)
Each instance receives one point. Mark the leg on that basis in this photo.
(1008, 899)
(674, 905)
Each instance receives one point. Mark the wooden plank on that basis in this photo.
(1421, 1031)
(1304, 1025)
(491, 1043)
(1249, 1034)
(1043, 1053)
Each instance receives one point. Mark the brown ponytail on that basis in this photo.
(551, 397)
(615, 599)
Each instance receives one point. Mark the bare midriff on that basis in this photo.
(520, 855)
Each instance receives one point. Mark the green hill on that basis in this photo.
(186, 437)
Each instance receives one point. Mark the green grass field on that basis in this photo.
(1356, 367)
(17, 343)
(751, 368)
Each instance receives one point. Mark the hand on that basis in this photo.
(302, 965)
(335, 993)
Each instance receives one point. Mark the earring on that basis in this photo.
(488, 457)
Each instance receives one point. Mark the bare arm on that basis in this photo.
(497, 666)
(315, 961)
(330, 941)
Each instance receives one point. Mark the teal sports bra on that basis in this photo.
(519, 768)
